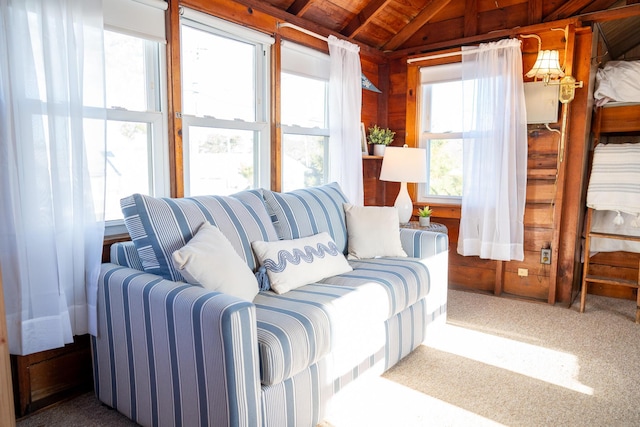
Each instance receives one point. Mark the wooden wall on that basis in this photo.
(554, 190)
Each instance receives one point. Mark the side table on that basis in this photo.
(433, 226)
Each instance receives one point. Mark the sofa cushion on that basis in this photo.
(160, 226)
(298, 328)
(297, 262)
(209, 260)
(404, 280)
(309, 211)
(373, 231)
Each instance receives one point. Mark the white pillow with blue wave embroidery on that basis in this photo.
(297, 262)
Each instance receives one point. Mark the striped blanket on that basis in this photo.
(615, 178)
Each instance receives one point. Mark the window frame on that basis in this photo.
(306, 66)
(424, 138)
(155, 116)
(261, 125)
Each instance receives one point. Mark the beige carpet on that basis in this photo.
(497, 362)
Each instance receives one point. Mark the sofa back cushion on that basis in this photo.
(160, 226)
(309, 211)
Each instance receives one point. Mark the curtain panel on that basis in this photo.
(51, 170)
(345, 105)
(494, 153)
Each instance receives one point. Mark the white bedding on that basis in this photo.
(614, 193)
(618, 81)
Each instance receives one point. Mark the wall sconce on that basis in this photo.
(547, 68)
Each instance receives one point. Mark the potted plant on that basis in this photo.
(380, 138)
(424, 216)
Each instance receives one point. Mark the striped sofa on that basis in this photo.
(172, 354)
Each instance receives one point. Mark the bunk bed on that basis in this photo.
(610, 228)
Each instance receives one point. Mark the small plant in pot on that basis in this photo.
(424, 216)
(380, 138)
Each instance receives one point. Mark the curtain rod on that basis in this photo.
(302, 30)
(471, 49)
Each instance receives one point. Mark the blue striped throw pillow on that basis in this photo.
(309, 211)
(160, 226)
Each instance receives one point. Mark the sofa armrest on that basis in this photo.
(423, 244)
(172, 351)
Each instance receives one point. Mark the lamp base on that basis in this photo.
(404, 204)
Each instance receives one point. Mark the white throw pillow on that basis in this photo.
(209, 259)
(297, 262)
(373, 231)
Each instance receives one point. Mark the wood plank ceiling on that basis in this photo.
(393, 25)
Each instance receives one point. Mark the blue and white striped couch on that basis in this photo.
(169, 353)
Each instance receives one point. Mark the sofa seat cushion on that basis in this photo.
(297, 329)
(404, 280)
(160, 226)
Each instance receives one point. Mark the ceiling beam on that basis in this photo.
(480, 38)
(599, 5)
(299, 7)
(535, 11)
(425, 15)
(281, 15)
(611, 14)
(568, 9)
(471, 18)
(361, 19)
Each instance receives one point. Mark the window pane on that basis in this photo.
(445, 167)
(218, 76)
(127, 159)
(221, 161)
(446, 107)
(303, 162)
(125, 71)
(303, 101)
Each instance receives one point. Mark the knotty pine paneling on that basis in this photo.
(546, 191)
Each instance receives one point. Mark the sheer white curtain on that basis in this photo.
(52, 167)
(345, 104)
(495, 153)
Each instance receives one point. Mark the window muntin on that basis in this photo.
(224, 119)
(136, 122)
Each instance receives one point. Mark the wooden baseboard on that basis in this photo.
(47, 377)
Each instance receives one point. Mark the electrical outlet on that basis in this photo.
(545, 256)
(523, 272)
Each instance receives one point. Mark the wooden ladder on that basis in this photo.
(591, 278)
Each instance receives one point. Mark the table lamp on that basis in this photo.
(404, 164)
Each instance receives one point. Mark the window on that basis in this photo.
(225, 122)
(442, 104)
(135, 97)
(305, 118)
(136, 122)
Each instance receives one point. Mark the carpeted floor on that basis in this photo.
(498, 361)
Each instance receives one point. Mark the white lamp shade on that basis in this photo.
(547, 66)
(404, 164)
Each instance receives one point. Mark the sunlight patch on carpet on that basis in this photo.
(534, 361)
(378, 402)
